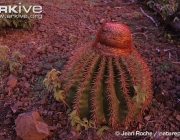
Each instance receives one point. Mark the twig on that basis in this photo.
(149, 17)
(176, 62)
(165, 50)
(169, 55)
(178, 100)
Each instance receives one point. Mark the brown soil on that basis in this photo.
(66, 25)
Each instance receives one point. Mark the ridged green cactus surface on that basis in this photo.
(109, 84)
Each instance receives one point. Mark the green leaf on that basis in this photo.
(138, 98)
(55, 84)
(136, 88)
(77, 118)
(176, 19)
(78, 127)
(68, 111)
(72, 114)
(101, 130)
(86, 127)
(91, 123)
(85, 120)
(150, 3)
(15, 23)
(7, 22)
(45, 82)
(169, 36)
(58, 95)
(16, 54)
(73, 122)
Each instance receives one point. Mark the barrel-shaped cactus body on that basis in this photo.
(108, 82)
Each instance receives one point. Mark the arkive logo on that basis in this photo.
(17, 9)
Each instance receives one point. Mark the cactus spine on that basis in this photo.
(108, 82)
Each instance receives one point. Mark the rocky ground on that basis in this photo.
(66, 25)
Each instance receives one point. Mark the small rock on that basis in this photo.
(108, 8)
(59, 32)
(96, 21)
(178, 117)
(172, 126)
(168, 104)
(1, 96)
(150, 126)
(168, 112)
(30, 95)
(29, 89)
(102, 21)
(37, 70)
(6, 90)
(55, 117)
(50, 113)
(63, 134)
(23, 78)
(16, 106)
(140, 126)
(2, 134)
(91, 17)
(175, 113)
(24, 99)
(30, 126)
(12, 81)
(62, 117)
(42, 28)
(63, 123)
(26, 104)
(7, 121)
(53, 107)
(178, 87)
(72, 133)
(56, 44)
(45, 112)
(10, 92)
(20, 85)
(27, 75)
(26, 84)
(43, 101)
(49, 49)
(52, 128)
(147, 118)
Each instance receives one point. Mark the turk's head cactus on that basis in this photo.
(108, 81)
